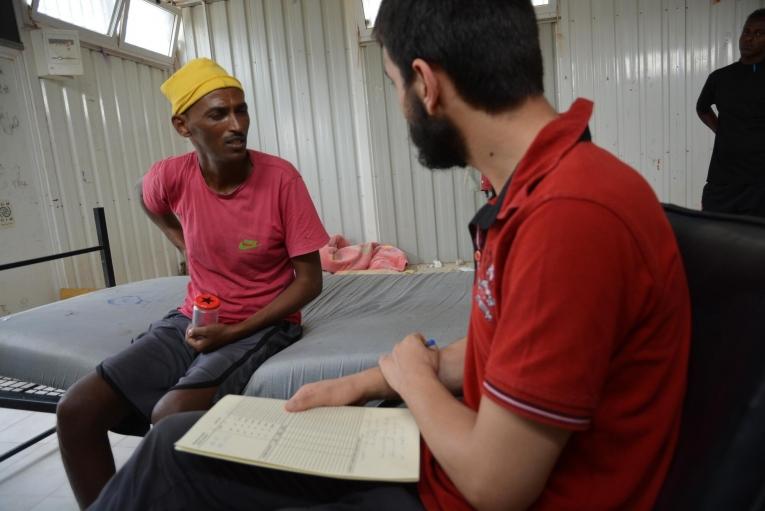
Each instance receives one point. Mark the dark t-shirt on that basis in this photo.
(738, 92)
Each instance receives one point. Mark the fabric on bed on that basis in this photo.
(339, 255)
(356, 318)
(359, 317)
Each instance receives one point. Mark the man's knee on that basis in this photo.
(165, 408)
(91, 402)
(159, 443)
(182, 400)
(171, 429)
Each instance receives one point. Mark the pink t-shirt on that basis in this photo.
(238, 246)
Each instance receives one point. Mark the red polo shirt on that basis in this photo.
(580, 320)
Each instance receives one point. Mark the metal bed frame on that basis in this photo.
(28, 396)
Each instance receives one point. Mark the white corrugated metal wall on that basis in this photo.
(293, 60)
(101, 132)
(423, 212)
(87, 141)
(24, 236)
(645, 62)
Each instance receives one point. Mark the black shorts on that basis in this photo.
(160, 360)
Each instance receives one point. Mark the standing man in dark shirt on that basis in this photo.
(736, 179)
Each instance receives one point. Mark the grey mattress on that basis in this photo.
(356, 318)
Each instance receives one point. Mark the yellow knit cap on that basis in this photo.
(195, 80)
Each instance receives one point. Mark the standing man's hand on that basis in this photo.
(409, 362)
(211, 337)
(710, 119)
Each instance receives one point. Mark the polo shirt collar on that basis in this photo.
(543, 155)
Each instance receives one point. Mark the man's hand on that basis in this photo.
(710, 119)
(334, 392)
(409, 361)
(211, 337)
(409, 355)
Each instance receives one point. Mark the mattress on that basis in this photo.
(356, 318)
(359, 317)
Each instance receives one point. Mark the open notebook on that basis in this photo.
(377, 444)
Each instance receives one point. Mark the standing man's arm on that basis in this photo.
(705, 102)
(709, 118)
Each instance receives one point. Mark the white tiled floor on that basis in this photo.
(34, 479)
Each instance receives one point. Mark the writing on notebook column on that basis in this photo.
(346, 442)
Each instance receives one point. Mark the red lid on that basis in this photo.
(207, 302)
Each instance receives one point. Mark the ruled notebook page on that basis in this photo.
(379, 444)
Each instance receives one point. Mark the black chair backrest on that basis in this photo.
(720, 459)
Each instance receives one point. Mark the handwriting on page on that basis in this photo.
(337, 441)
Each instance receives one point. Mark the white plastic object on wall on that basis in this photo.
(57, 52)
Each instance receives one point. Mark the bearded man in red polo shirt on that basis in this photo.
(573, 371)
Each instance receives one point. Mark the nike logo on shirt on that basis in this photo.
(248, 244)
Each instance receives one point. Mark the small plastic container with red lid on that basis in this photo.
(206, 307)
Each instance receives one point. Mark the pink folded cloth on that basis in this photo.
(338, 255)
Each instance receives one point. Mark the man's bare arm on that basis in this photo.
(710, 119)
(370, 384)
(306, 286)
(496, 458)
(168, 224)
(451, 365)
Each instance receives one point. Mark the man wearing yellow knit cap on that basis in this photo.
(250, 235)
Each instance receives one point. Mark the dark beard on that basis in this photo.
(439, 142)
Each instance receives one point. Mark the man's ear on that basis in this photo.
(180, 125)
(426, 85)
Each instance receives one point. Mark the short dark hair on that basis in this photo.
(759, 14)
(489, 48)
